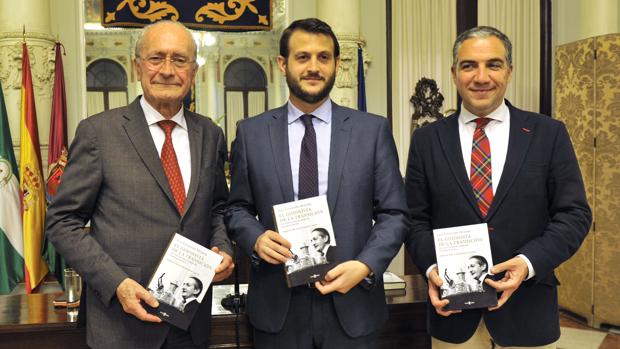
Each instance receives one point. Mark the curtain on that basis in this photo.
(234, 113)
(520, 21)
(423, 34)
(256, 103)
(117, 99)
(94, 102)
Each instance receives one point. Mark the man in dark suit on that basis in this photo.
(478, 269)
(514, 170)
(136, 199)
(190, 291)
(320, 241)
(309, 147)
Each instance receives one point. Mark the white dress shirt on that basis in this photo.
(180, 138)
(498, 133)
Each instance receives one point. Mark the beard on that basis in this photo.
(310, 98)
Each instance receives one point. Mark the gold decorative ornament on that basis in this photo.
(217, 11)
(155, 10)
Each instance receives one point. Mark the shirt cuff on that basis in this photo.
(428, 271)
(530, 268)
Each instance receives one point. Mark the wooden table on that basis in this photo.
(31, 321)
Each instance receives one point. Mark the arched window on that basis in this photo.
(106, 85)
(245, 91)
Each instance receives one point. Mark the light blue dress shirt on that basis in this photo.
(323, 129)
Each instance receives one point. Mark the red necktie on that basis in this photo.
(171, 165)
(480, 174)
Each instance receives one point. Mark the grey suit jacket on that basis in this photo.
(364, 184)
(115, 179)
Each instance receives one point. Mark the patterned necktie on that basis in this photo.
(171, 165)
(308, 164)
(480, 174)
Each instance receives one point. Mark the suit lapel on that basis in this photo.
(340, 137)
(139, 135)
(278, 134)
(451, 146)
(521, 131)
(195, 134)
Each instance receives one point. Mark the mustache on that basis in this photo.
(313, 76)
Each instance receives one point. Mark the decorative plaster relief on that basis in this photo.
(42, 57)
(347, 72)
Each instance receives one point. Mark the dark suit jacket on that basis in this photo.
(331, 255)
(115, 179)
(539, 210)
(364, 183)
(191, 307)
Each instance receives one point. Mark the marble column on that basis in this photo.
(348, 33)
(213, 58)
(67, 21)
(276, 97)
(33, 16)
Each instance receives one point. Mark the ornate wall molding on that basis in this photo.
(27, 35)
(42, 58)
(212, 56)
(347, 71)
(262, 60)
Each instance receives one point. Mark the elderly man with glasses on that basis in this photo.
(139, 174)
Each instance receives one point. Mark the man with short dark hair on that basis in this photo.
(190, 291)
(319, 239)
(517, 172)
(478, 269)
(139, 174)
(311, 147)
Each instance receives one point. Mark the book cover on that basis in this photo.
(392, 281)
(463, 261)
(307, 225)
(181, 280)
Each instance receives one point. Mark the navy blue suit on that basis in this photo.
(539, 210)
(364, 184)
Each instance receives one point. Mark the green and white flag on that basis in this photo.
(11, 238)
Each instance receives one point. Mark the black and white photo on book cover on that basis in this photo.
(181, 280)
(307, 225)
(464, 261)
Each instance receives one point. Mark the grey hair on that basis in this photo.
(139, 41)
(480, 33)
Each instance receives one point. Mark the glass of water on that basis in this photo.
(73, 291)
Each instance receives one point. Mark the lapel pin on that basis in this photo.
(526, 130)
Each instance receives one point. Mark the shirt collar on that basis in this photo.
(323, 112)
(192, 298)
(498, 114)
(153, 116)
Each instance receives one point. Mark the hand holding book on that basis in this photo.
(516, 271)
(343, 277)
(305, 243)
(434, 284)
(131, 295)
(273, 247)
(226, 266)
(465, 260)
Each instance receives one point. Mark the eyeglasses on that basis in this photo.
(158, 61)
